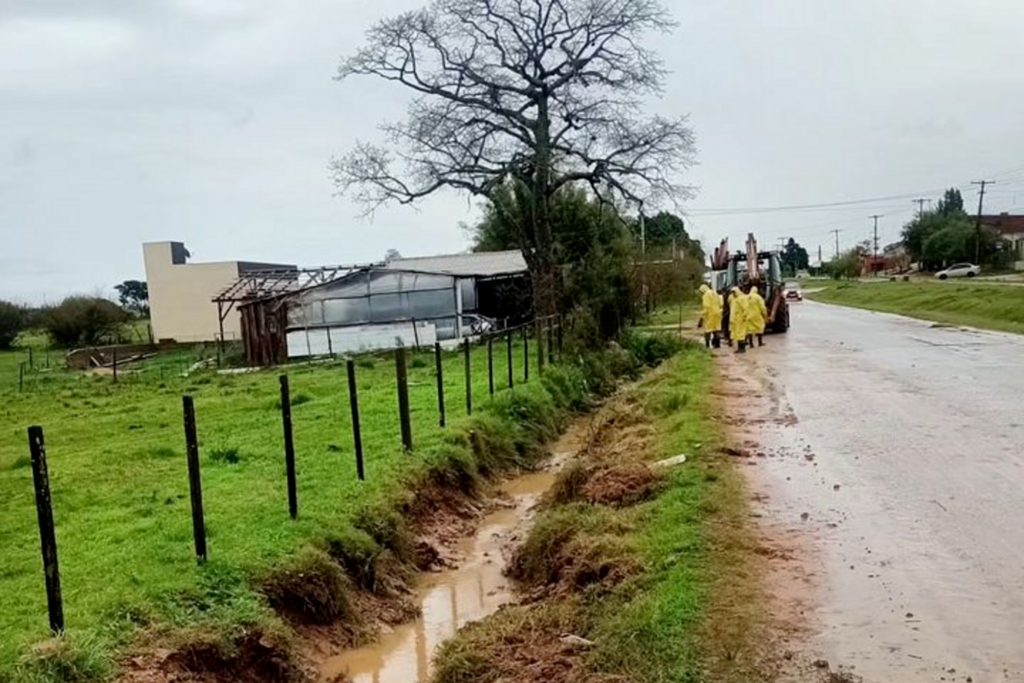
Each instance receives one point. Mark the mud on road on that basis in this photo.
(885, 464)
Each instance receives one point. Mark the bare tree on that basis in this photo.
(538, 93)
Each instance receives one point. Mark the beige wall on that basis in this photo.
(180, 296)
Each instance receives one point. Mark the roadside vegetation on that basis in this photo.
(987, 306)
(120, 496)
(631, 572)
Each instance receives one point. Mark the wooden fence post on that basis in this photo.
(439, 371)
(47, 535)
(469, 379)
(353, 400)
(509, 359)
(21, 376)
(289, 447)
(115, 366)
(402, 376)
(490, 364)
(31, 359)
(195, 484)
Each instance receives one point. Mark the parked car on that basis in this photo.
(959, 270)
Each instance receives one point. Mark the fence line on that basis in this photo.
(190, 424)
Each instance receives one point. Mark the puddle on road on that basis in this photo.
(448, 599)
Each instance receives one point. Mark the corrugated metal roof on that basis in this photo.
(484, 263)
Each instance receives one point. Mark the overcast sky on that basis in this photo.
(212, 122)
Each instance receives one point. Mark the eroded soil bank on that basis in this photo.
(470, 586)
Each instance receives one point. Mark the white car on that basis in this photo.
(959, 270)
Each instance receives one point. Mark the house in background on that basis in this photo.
(181, 293)
(1010, 228)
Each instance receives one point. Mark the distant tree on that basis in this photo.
(391, 254)
(952, 203)
(134, 296)
(664, 229)
(590, 239)
(794, 257)
(12, 322)
(83, 321)
(846, 267)
(545, 94)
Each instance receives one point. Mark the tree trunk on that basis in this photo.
(544, 280)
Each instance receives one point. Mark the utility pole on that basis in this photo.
(837, 231)
(977, 222)
(819, 256)
(920, 205)
(876, 217)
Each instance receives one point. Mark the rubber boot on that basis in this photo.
(760, 340)
(707, 340)
(741, 347)
(716, 342)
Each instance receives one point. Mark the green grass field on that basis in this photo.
(120, 486)
(988, 306)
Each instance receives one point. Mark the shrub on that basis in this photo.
(652, 349)
(83, 320)
(12, 322)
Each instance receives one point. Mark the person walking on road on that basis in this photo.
(710, 315)
(738, 319)
(758, 312)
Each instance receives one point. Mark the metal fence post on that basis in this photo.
(402, 377)
(115, 366)
(439, 371)
(490, 364)
(195, 485)
(289, 447)
(47, 535)
(469, 379)
(526, 353)
(540, 345)
(353, 400)
(509, 359)
(551, 341)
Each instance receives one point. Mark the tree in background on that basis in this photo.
(12, 322)
(83, 321)
(542, 95)
(592, 242)
(134, 296)
(665, 230)
(949, 219)
(847, 266)
(952, 203)
(794, 258)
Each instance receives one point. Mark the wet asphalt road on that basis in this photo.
(922, 545)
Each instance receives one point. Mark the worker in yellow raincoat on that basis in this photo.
(758, 312)
(710, 315)
(738, 319)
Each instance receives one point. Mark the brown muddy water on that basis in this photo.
(451, 598)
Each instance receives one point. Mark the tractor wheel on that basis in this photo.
(781, 325)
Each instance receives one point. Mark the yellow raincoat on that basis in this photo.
(757, 311)
(738, 329)
(710, 309)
